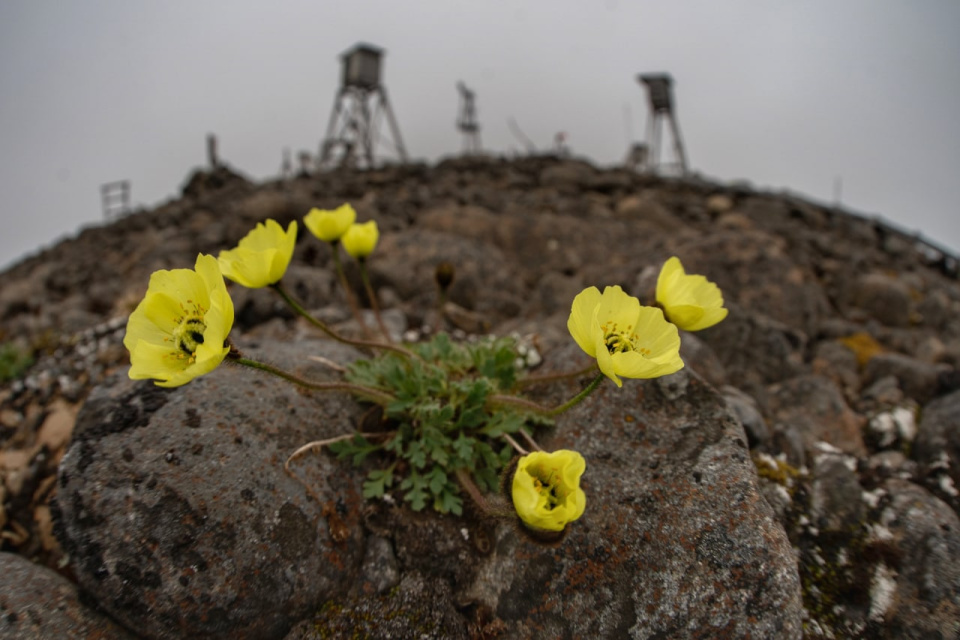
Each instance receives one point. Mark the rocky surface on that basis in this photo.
(36, 602)
(799, 479)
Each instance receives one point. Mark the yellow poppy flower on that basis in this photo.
(546, 489)
(690, 301)
(330, 226)
(627, 339)
(261, 257)
(179, 329)
(361, 239)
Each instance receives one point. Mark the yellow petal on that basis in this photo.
(557, 474)
(582, 322)
(328, 225)
(361, 239)
(261, 257)
(605, 361)
(174, 297)
(690, 301)
(618, 308)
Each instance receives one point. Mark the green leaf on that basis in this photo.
(416, 495)
(502, 422)
(416, 455)
(438, 480)
(463, 447)
(358, 447)
(448, 502)
(377, 482)
(487, 478)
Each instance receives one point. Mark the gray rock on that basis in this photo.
(567, 176)
(754, 269)
(648, 211)
(925, 602)
(700, 357)
(380, 564)
(835, 502)
(918, 380)
(745, 409)
(938, 435)
(837, 362)
(36, 603)
(885, 298)
(677, 540)
(177, 514)
(484, 281)
(755, 350)
(816, 408)
(418, 607)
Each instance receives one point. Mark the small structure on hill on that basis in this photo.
(467, 120)
(660, 94)
(116, 199)
(361, 103)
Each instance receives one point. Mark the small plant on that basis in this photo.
(445, 420)
(455, 423)
(14, 361)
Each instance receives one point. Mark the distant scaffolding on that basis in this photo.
(360, 105)
(115, 197)
(467, 120)
(661, 108)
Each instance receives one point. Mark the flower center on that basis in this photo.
(545, 486)
(188, 335)
(621, 340)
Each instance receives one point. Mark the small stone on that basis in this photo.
(380, 564)
(35, 602)
(719, 203)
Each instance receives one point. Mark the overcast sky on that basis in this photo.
(786, 94)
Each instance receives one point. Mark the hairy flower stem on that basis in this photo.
(319, 444)
(533, 407)
(556, 377)
(354, 309)
(577, 399)
(374, 395)
(366, 344)
(491, 507)
(373, 298)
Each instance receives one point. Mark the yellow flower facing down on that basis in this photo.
(361, 239)
(627, 339)
(330, 226)
(179, 329)
(261, 257)
(546, 489)
(690, 301)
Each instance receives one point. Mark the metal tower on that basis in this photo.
(467, 120)
(661, 107)
(361, 102)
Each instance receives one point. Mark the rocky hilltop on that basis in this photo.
(797, 479)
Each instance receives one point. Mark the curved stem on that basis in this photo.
(533, 407)
(354, 309)
(319, 444)
(366, 344)
(375, 395)
(554, 377)
(498, 399)
(492, 508)
(373, 299)
(577, 399)
(513, 443)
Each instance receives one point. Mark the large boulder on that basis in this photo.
(177, 514)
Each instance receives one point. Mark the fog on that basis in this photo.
(798, 96)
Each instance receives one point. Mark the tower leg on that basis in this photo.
(678, 144)
(394, 129)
